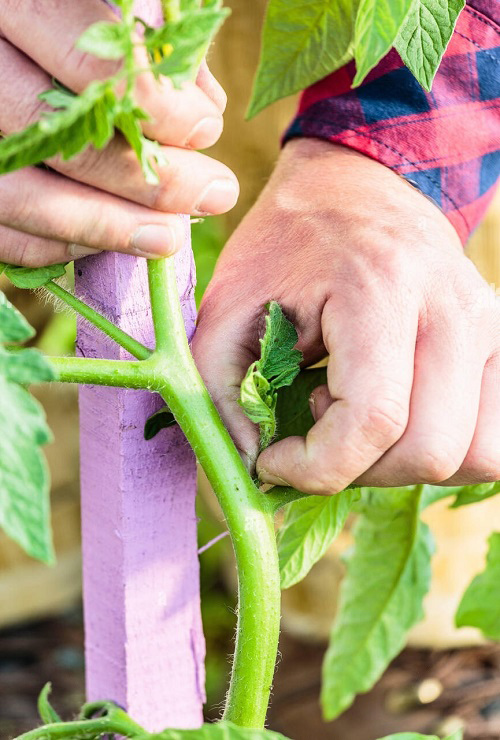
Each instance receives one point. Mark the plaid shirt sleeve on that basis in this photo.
(446, 142)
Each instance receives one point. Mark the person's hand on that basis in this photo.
(99, 199)
(373, 274)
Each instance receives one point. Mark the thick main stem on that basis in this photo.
(249, 517)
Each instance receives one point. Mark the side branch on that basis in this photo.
(121, 373)
(135, 348)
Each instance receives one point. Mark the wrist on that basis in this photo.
(315, 176)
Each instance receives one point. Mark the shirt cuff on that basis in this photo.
(446, 142)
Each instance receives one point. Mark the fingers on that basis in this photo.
(26, 250)
(186, 117)
(47, 205)
(211, 86)
(443, 413)
(482, 462)
(369, 377)
(190, 182)
(223, 356)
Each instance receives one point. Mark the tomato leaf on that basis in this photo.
(381, 598)
(161, 419)
(105, 40)
(378, 23)
(88, 119)
(149, 153)
(177, 48)
(474, 494)
(293, 411)
(24, 483)
(424, 36)
(13, 325)
(47, 713)
(278, 366)
(302, 42)
(33, 277)
(58, 96)
(309, 528)
(480, 605)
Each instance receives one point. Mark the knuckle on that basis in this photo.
(28, 110)
(86, 67)
(436, 462)
(27, 256)
(323, 485)
(483, 464)
(171, 189)
(86, 165)
(385, 421)
(319, 479)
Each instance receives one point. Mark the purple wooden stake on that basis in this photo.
(143, 633)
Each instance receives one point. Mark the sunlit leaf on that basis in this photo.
(388, 575)
(480, 605)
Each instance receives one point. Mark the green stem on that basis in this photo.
(248, 512)
(171, 9)
(121, 373)
(135, 348)
(162, 289)
(118, 723)
(249, 517)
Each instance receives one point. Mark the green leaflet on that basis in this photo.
(293, 412)
(161, 419)
(24, 366)
(377, 26)
(464, 495)
(381, 597)
(24, 494)
(277, 367)
(219, 731)
(178, 48)
(148, 152)
(312, 522)
(47, 713)
(32, 277)
(302, 42)
(424, 36)
(58, 96)
(88, 119)
(474, 494)
(106, 40)
(310, 526)
(13, 325)
(480, 605)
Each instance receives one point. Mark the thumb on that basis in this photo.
(222, 358)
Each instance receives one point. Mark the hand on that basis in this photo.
(373, 274)
(99, 199)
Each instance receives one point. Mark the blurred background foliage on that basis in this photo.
(40, 614)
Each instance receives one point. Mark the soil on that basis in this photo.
(464, 685)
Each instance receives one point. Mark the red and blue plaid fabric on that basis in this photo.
(446, 142)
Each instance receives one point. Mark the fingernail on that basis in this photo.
(312, 406)
(275, 480)
(77, 251)
(218, 197)
(205, 133)
(154, 240)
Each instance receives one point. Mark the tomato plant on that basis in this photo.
(389, 567)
